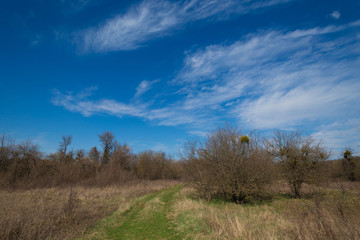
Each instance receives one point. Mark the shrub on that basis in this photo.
(122, 157)
(300, 158)
(156, 165)
(350, 165)
(228, 164)
(7, 151)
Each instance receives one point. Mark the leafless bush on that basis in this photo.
(24, 162)
(300, 158)
(122, 157)
(230, 165)
(156, 165)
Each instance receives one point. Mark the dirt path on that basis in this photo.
(147, 218)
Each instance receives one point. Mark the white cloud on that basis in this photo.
(339, 135)
(291, 108)
(155, 18)
(215, 95)
(171, 115)
(335, 14)
(287, 78)
(199, 133)
(255, 52)
(80, 103)
(143, 87)
(269, 79)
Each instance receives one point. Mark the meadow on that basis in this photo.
(231, 186)
(65, 212)
(165, 209)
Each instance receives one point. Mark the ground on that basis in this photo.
(149, 217)
(176, 213)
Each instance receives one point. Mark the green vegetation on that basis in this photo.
(147, 218)
(178, 213)
(244, 139)
(350, 165)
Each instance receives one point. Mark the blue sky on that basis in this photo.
(156, 73)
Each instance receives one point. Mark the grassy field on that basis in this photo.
(65, 213)
(330, 214)
(168, 210)
(177, 213)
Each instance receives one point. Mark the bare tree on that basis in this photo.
(108, 143)
(193, 164)
(80, 155)
(122, 156)
(7, 147)
(299, 157)
(64, 144)
(27, 156)
(144, 170)
(154, 165)
(94, 155)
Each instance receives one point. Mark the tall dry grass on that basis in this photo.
(325, 220)
(339, 184)
(64, 213)
(328, 214)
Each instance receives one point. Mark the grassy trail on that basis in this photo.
(147, 218)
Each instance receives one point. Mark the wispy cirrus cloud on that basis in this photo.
(300, 105)
(81, 103)
(339, 135)
(257, 51)
(268, 79)
(275, 79)
(169, 115)
(286, 79)
(143, 87)
(152, 19)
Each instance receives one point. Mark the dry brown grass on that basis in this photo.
(231, 221)
(282, 187)
(338, 219)
(343, 184)
(328, 214)
(64, 213)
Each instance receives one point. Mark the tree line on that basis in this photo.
(229, 164)
(23, 165)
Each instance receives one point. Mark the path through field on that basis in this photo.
(148, 217)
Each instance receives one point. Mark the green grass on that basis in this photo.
(147, 218)
(176, 213)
